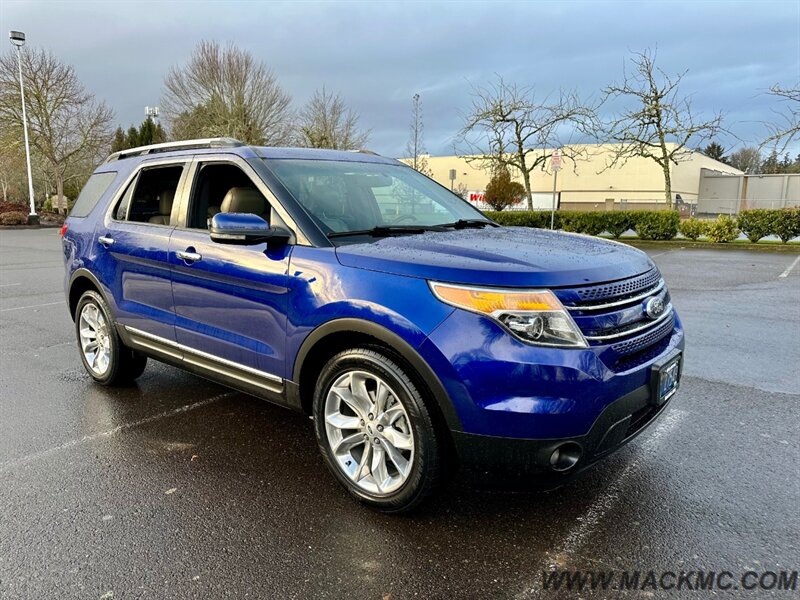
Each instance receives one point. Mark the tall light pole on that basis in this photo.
(18, 39)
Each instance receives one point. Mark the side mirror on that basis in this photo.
(245, 229)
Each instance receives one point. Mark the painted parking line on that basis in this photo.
(588, 522)
(33, 306)
(788, 270)
(111, 432)
(9, 284)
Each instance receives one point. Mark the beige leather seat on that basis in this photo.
(328, 206)
(245, 200)
(165, 199)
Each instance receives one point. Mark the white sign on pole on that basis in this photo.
(555, 160)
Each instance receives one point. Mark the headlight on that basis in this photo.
(533, 316)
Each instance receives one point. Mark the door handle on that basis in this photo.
(189, 256)
(105, 240)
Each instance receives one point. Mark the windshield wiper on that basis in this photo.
(468, 223)
(388, 230)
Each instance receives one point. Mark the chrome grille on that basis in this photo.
(614, 314)
(619, 288)
(648, 339)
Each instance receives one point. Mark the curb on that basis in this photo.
(683, 245)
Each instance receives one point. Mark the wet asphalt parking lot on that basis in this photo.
(179, 488)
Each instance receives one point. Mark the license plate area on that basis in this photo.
(665, 380)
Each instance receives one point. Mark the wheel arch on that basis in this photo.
(340, 334)
(81, 281)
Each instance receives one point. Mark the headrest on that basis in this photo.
(244, 200)
(328, 201)
(165, 199)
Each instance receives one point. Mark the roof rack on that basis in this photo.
(220, 142)
(364, 151)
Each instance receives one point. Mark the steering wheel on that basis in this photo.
(402, 218)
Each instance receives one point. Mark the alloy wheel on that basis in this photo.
(369, 432)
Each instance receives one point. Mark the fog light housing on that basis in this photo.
(565, 456)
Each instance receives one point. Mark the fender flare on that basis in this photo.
(394, 341)
(83, 272)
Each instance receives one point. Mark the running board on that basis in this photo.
(216, 368)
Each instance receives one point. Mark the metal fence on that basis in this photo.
(711, 207)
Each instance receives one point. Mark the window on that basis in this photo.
(91, 193)
(351, 196)
(150, 196)
(224, 186)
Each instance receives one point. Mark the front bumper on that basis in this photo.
(518, 403)
(490, 459)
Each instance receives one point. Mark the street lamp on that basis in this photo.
(18, 39)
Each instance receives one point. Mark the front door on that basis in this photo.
(230, 301)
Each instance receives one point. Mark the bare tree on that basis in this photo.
(658, 122)
(68, 127)
(415, 148)
(787, 129)
(326, 122)
(507, 126)
(747, 159)
(12, 163)
(226, 92)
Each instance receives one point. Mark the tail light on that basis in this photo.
(63, 231)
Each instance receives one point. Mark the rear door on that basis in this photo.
(132, 248)
(230, 301)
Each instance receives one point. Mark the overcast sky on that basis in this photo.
(379, 54)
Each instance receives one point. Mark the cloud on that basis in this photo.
(378, 55)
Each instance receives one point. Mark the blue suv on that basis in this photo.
(419, 334)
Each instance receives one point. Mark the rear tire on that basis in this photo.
(107, 360)
(375, 431)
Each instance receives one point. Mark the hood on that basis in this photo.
(499, 257)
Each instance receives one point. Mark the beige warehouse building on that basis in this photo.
(587, 184)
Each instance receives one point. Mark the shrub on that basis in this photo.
(524, 218)
(757, 223)
(618, 222)
(786, 223)
(14, 218)
(693, 228)
(501, 191)
(6, 207)
(656, 224)
(723, 230)
(591, 223)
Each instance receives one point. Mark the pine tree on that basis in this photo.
(120, 142)
(715, 151)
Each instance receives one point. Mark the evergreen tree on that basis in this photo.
(120, 142)
(501, 191)
(715, 151)
(133, 137)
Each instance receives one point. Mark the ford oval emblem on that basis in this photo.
(654, 307)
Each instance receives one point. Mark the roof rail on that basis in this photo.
(220, 142)
(364, 151)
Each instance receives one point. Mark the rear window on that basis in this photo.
(91, 193)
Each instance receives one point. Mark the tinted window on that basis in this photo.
(214, 182)
(91, 193)
(150, 196)
(349, 196)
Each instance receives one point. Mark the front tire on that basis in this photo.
(104, 356)
(375, 431)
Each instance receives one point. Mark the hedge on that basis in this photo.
(14, 218)
(648, 224)
(662, 224)
(722, 230)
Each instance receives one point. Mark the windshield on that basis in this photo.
(361, 197)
